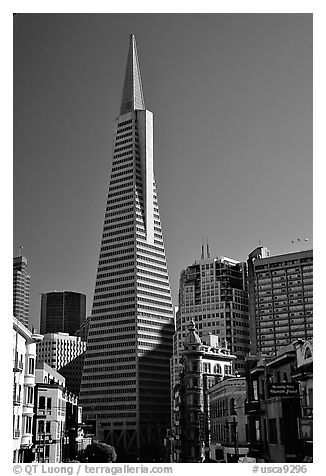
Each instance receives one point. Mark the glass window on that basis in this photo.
(257, 430)
(31, 366)
(272, 430)
(28, 425)
(232, 407)
(41, 403)
(255, 389)
(41, 426)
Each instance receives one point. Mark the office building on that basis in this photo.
(62, 311)
(24, 356)
(213, 292)
(280, 299)
(125, 386)
(65, 354)
(21, 287)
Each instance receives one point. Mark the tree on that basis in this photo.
(100, 453)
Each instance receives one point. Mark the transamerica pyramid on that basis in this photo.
(125, 389)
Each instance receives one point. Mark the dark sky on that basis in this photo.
(232, 101)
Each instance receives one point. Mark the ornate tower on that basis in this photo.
(125, 384)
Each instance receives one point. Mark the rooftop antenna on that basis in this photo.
(207, 248)
(202, 249)
(21, 251)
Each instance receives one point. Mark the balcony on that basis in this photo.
(16, 434)
(18, 366)
(17, 401)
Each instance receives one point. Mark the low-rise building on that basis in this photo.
(56, 410)
(24, 356)
(278, 393)
(228, 420)
(304, 376)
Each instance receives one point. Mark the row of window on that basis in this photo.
(109, 338)
(113, 189)
(112, 309)
(113, 260)
(126, 285)
(116, 197)
(123, 250)
(110, 361)
(101, 275)
(117, 238)
(105, 353)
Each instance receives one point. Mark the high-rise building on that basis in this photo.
(62, 311)
(125, 386)
(21, 284)
(65, 354)
(213, 292)
(280, 298)
(58, 349)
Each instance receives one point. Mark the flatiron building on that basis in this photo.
(125, 384)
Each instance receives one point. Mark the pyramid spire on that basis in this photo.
(132, 95)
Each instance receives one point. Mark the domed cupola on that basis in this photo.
(192, 338)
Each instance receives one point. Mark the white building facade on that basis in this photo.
(51, 405)
(24, 357)
(58, 349)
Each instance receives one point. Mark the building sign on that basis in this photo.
(305, 428)
(246, 459)
(283, 390)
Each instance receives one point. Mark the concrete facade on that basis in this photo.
(65, 354)
(280, 299)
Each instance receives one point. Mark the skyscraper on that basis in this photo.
(62, 311)
(213, 292)
(125, 385)
(280, 298)
(21, 286)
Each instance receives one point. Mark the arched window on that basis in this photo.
(307, 353)
(285, 377)
(232, 407)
